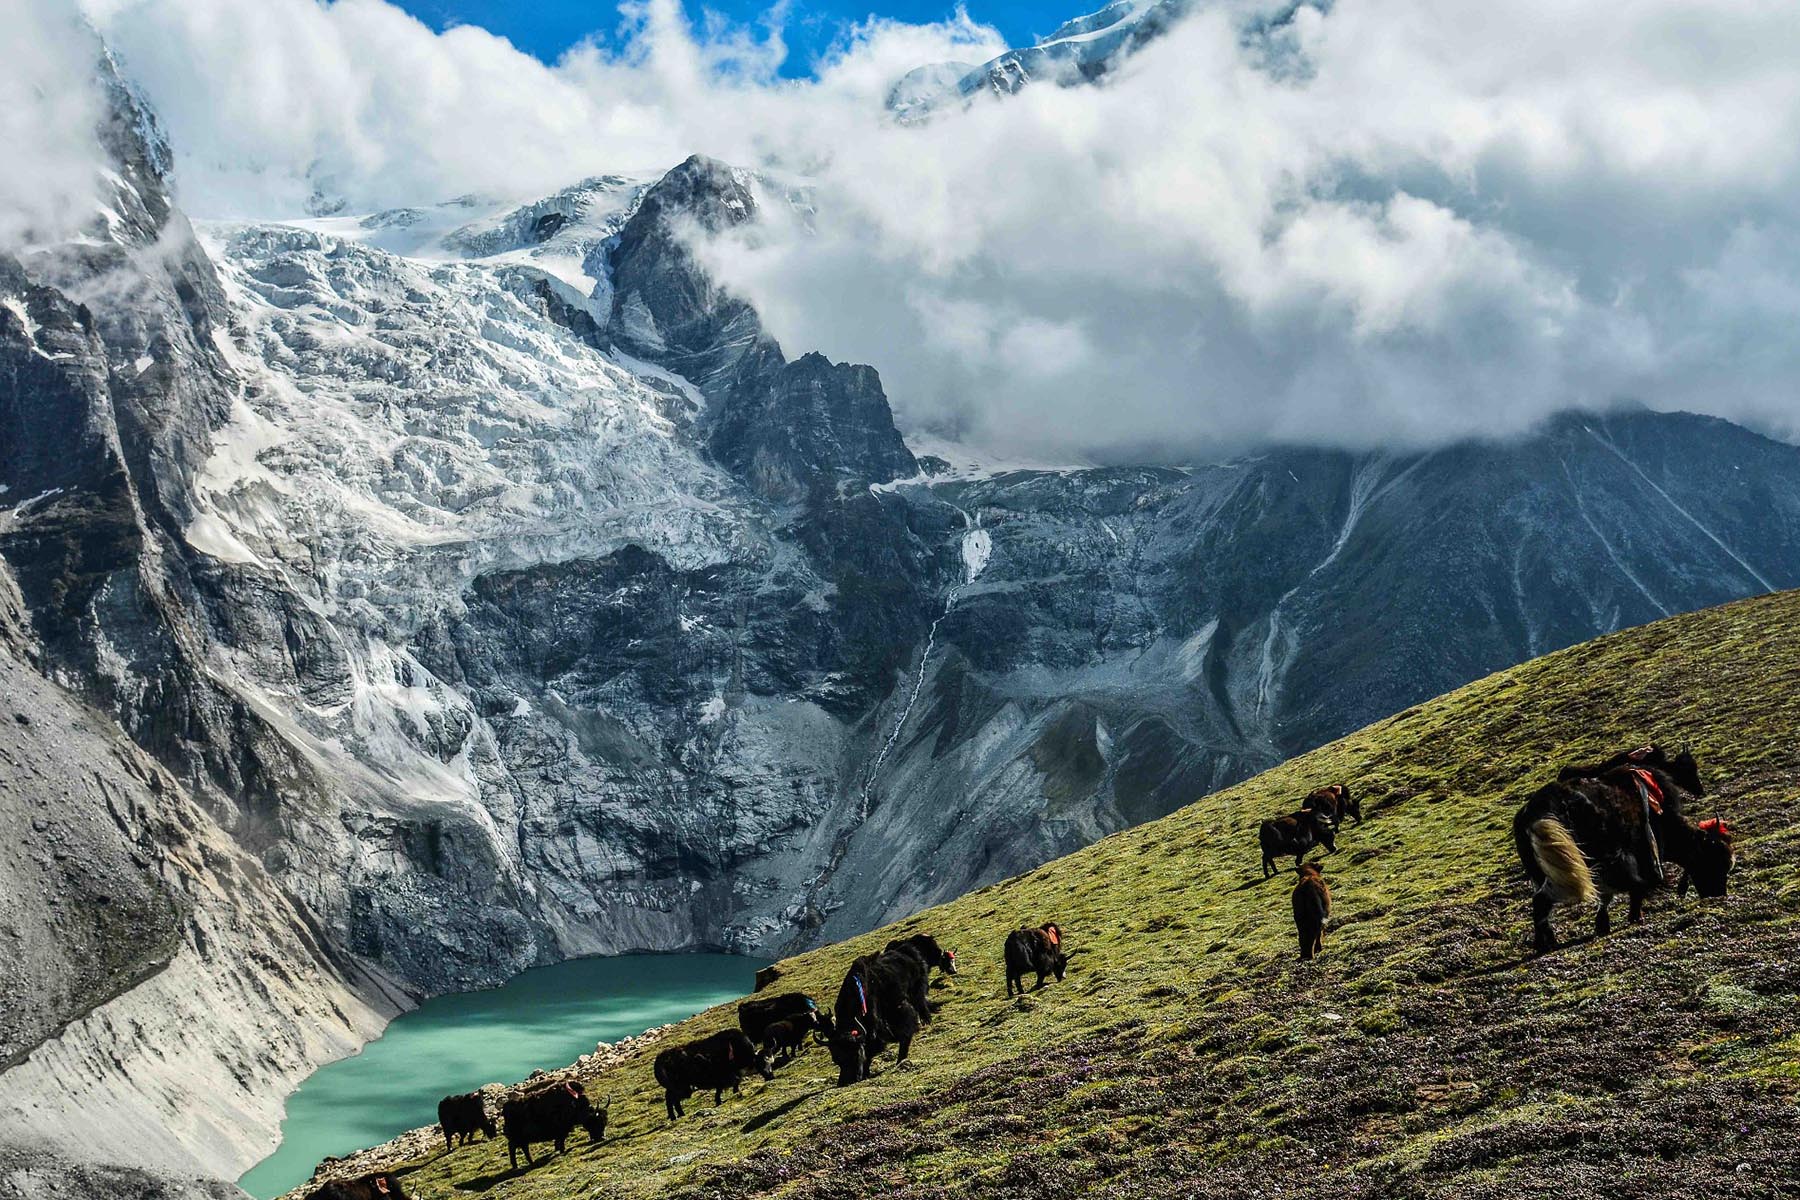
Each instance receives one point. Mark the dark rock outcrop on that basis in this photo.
(787, 429)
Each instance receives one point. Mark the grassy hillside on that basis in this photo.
(1189, 1054)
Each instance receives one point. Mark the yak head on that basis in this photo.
(1322, 830)
(1052, 939)
(1686, 772)
(934, 954)
(585, 1114)
(593, 1118)
(741, 1054)
(849, 1050)
(594, 1121)
(1710, 857)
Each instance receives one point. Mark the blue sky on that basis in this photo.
(546, 28)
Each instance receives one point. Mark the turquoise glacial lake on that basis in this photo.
(545, 1018)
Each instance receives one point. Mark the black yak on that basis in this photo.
(1312, 909)
(463, 1117)
(1609, 834)
(880, 1001)
(1034, 950)
(755, 1016)
(784, 1040)
(708, 1064)
(549, 1114)
(1294, 834)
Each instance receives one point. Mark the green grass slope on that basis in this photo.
(1190, 1054)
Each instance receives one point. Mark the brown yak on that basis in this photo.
(1335, 801)
(1312, 909)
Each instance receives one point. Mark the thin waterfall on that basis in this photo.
(977, 547)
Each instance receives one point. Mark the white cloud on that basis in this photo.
(49, 110)
(1394, 221)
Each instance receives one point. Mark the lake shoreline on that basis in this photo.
(562, 1020)
(428, 1140)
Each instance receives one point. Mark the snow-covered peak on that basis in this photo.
(564, 234)
(920, 90)
(1079, 50)
(1087, 25)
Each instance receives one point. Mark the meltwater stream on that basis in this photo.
(544, 1018)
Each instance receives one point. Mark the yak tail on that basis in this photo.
(1561, 859)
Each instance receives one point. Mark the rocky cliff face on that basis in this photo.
(587, 622)
(472, 587)
(162, 991)
(789, 430)
(163, 994)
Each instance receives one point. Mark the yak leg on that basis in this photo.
(1268, 866)
(1637, 907)
(871, 1047)
(1543, 937)
(904, 1025)
(1603, 918)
